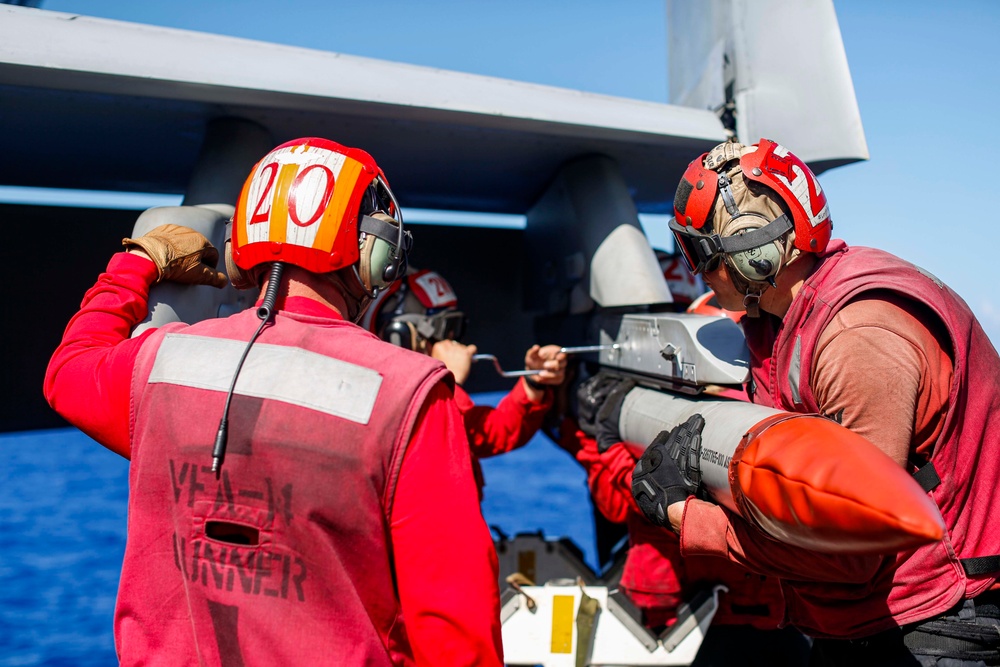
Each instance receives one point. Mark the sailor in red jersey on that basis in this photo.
(655, 576)
(888, 351)
(304, 528)
(420, 313)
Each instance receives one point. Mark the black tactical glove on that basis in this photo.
(599, 406)
(590, 397)
(658, 481)
(606, 431)
(685, 449)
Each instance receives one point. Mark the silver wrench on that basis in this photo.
(565, 350)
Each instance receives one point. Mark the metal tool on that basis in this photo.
(565, 350)
(500, 370)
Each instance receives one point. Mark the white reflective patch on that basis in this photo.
(795, 370)
(274, 372)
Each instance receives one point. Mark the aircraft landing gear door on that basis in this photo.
(552, 632)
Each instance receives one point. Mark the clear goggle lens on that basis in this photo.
(447, 325)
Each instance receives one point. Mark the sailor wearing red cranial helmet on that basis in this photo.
(888, 351)
(343, 451)
(753, 209)
(421, 314)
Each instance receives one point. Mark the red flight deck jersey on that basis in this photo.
(852, 597)
(508, 426)
(655, 575)
(310, 575)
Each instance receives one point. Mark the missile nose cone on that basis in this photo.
(807, 481)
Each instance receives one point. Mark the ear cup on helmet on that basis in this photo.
(380, 264)
(395, 268)
(756, 264)
(238, 277)
(402, 334)
(377, 263)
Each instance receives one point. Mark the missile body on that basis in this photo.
(801, 479)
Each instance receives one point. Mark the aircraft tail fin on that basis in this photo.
(770, 68)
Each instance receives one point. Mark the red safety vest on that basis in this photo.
(284, 559)
(918, 584)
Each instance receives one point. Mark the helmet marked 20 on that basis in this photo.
(321, 206)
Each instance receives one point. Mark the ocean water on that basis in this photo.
(63, 504)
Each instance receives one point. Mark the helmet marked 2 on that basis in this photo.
(791, 179)
(753, 245)
(418, 310)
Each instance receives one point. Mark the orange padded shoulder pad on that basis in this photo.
(812, 483)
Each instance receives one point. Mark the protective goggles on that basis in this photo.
(446, 325)
(701, 252)
(704, 252)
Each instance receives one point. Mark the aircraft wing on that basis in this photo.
(99, 104)
(89, 103)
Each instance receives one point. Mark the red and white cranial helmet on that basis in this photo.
(420, 309)
(722, 208)
(321, 206)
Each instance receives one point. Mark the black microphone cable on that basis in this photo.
(265, 313)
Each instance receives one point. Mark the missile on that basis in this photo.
(800, 479)
(803, 480)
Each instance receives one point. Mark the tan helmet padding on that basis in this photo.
(754, 198)
(240, 278)
(725, 152)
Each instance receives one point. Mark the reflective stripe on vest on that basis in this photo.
(795, 370)
(275, 372)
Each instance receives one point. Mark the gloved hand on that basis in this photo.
(658, 481)
(590, 397)
(181, 255)
(606, 430)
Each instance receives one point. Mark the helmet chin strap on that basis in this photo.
(751, 290)
(751, 303)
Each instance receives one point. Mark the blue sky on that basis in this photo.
(924, 72)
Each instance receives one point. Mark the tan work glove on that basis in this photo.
(181, 255)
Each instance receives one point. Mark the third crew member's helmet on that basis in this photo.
(684, 285)
(416, 312)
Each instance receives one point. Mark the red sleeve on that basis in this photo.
(89, 376)
(709, 530)
(446, 565)
(510, 425)
(609, 475)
